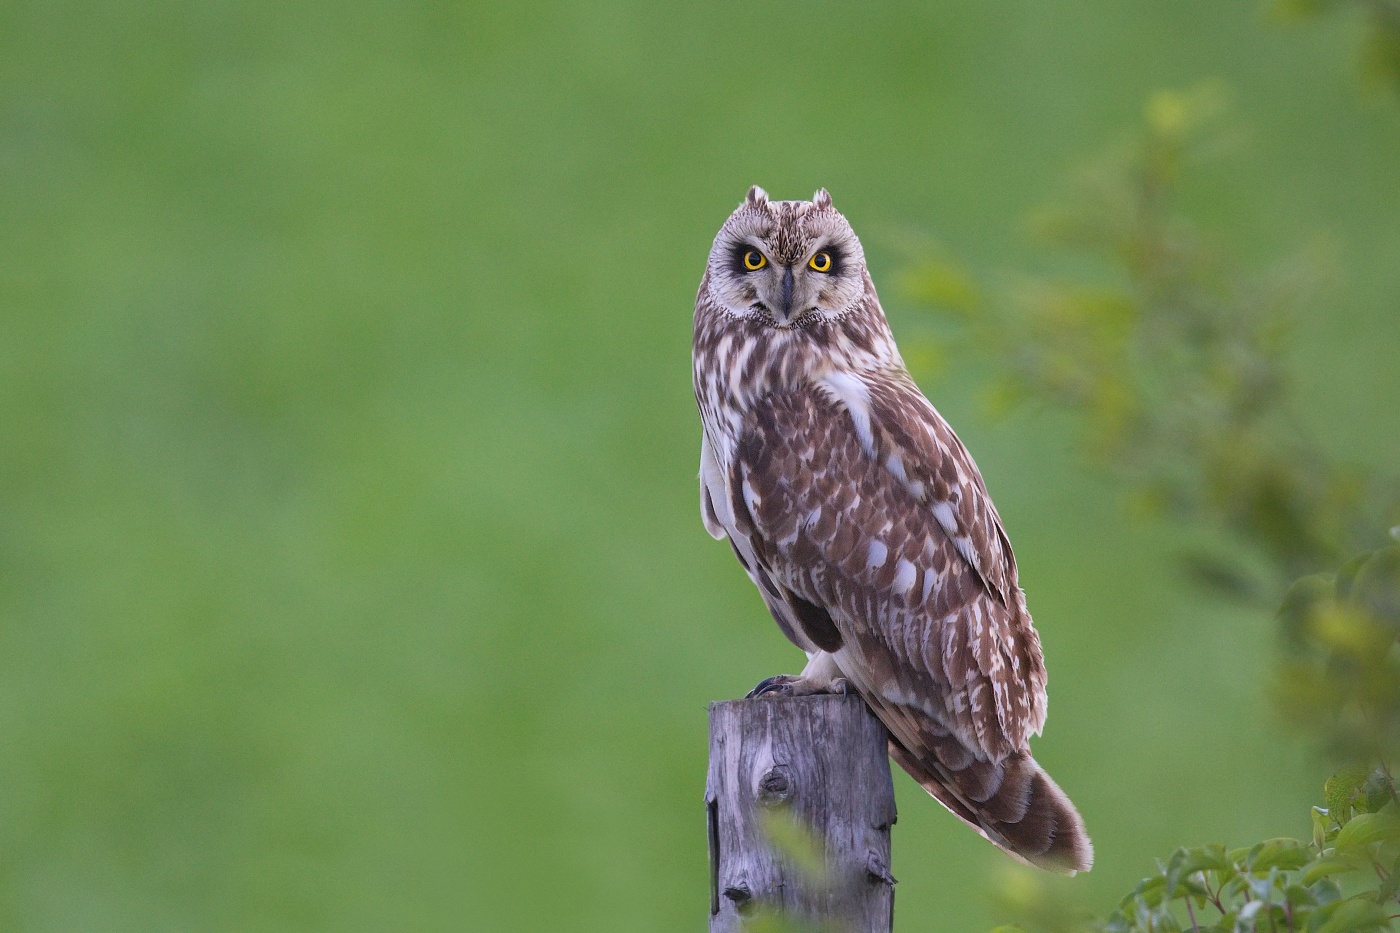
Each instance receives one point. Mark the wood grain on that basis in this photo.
(799, 804)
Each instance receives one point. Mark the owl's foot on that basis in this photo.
(779, 685)
(820, 676)
(794, 685)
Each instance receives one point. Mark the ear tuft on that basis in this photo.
(821, 199)
(757, 196)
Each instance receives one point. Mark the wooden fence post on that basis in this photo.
(800, 807)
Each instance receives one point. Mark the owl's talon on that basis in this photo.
(779, 685)
(792, 685)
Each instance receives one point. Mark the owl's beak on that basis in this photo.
(787, 292)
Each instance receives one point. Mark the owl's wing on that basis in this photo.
(716, 511)
(863, 512)
(861, 503)
(921, 451)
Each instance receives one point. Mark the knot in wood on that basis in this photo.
(741, 896)
(877, 870)
(775, 787)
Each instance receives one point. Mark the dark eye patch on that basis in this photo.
(837, 259)
(737, 258)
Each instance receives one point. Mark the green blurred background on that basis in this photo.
(351, 571)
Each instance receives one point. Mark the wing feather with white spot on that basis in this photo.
(858, 498)
(921, 450)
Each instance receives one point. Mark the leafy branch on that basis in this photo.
(1172, 361)
(1344, 879)
(1380, 50)
(1340, 680)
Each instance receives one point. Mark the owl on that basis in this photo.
(865, 524)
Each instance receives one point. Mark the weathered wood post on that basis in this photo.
(782, 764)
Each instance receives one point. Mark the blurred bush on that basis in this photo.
(1173, 365)
(1339, 679)
(1380, 53)
(1173, 361)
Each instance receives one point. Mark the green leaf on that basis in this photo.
(1286, 854)
(1150, 891)
(1350, 631)
(1378, 791)
(1341, 789)
(1186, 862)
(1366, 828)
(1347, 575)
(1328, 866)
(1117, 923)
(1349, 917)
(1299, 896)
(1376, 588)
(1327, 891)
(1302, 601)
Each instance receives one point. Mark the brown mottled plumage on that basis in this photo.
(865, 524)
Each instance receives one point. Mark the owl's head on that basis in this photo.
(786, 263)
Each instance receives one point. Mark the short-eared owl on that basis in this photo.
(865, 524)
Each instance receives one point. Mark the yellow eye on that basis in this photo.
(754, 260)
(821, 262)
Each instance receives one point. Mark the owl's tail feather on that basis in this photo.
(1013, 803)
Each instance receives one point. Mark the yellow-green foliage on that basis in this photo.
(1173, 359)
(1173, 364)
(1380, 44)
